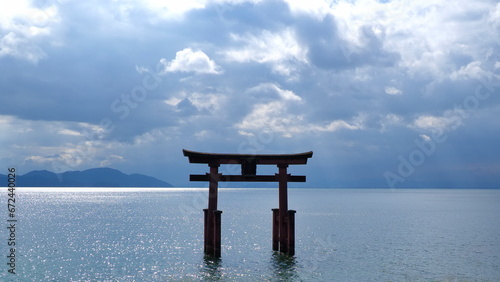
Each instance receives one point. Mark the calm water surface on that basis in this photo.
(342, 235)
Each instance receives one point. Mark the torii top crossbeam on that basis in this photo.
(248, 164)
(265, 159)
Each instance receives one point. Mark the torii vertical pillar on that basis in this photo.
(283, 207)
(283, 219)
(212, 234)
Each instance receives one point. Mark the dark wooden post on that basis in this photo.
(205, 230)
(276, 229)
(217, 233)
(212, 207)
(291, 232)
(283, 207)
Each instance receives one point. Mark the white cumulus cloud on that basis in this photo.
(450, 120)
(392, 90)
(472, 70)
(188, 60)
(271, 89)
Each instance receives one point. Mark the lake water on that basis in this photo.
(69, 234)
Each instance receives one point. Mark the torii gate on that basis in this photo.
(283, 219)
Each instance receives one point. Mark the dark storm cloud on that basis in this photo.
(327, 50)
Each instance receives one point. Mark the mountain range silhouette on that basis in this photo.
(94, 177)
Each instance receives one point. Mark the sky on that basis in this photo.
(385, 93)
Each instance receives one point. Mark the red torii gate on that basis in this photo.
(283, 219)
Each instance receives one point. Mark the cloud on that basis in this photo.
(278, 116)
(196, 103)
(69, 132)
(13, 45)
(328, 48)
(280, 50)
(433, 122)
(188, 61)
(27, 20)
(271, 90)
(337, 125)
(392, 90)
(172, 9)
(129, 83)
(495, 16)
(270, 117)
(209, 102)
(472, 70)
(56, 147)
(315, 8)
(275, 117)
(24, 27)
(449, 121)
(390, 120)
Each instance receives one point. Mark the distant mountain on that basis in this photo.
(95, 177)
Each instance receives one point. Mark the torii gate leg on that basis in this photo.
(213, 216)
(282, 225)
